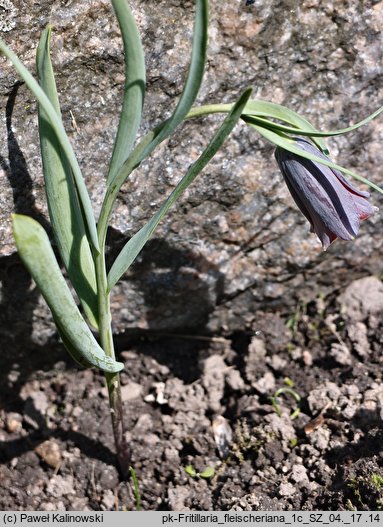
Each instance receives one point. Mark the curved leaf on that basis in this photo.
(261, 108)
(134, 91)
(259, 112)
(63, 204)
(277, 111)
(189, 94)
(36, 252)
(62, 137)
(134, 246)
(304, 130)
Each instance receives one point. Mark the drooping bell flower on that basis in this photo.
(332, 205)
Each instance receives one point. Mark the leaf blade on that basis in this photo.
(311, 131)
(257, 108)
(63, 204)
(258, 112)
(133, 247)
(134, 91)
(58, 127)
(36, 252)
(188, 96)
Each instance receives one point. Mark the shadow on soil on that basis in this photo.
(157, 274)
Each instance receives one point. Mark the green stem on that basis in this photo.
(207, 109)
(105, 328)
(113, 188)
(112, 379)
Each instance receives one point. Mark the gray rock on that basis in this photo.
(236, 239)
(324, 396)
(287, 489)
(80, 504)
(59, 486)
(131, 391)
(299, 474)
(358, 335)
(282, 426)
(234, 380)
(266, 384)
(255, 360)
(108, 501)
(362, 298)
(340, 352)
(35, 409)
(177, 497)
(53, 506)
(320, 438)
(372, 404)
(7, 15)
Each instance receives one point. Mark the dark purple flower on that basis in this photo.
(332, 205)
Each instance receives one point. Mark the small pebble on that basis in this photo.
(49, 452)
(108, 500)
(14, 422)
(287, 489)
(131, 391)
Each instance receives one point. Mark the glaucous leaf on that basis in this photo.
(62, 137)
(188, 96)
(36, 252)
(134, 91)
(63, 203)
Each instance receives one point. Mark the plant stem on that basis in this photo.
(199, 111)
(112, 379)
(119, 430)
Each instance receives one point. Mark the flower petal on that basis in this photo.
(333, 206)
(321, 195)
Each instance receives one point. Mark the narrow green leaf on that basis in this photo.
(267, 109)
(307, 131)
(259, 112)
(207, 473)
(136, 488)
(258, 109)
(36, 252)
(189, 94)
(72, 350)
(134, 246)
(63, 204)
(134, 92)
(288, 144)
(190, 471)
(62, 137)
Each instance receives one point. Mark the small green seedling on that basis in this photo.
(376, 481)
(80, 239)
(205, 474)
(289, 382)
(288, 390)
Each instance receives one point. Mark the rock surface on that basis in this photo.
(236, 241)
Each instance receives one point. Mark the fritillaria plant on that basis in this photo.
(333, 207)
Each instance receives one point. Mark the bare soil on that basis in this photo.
(318, 447)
